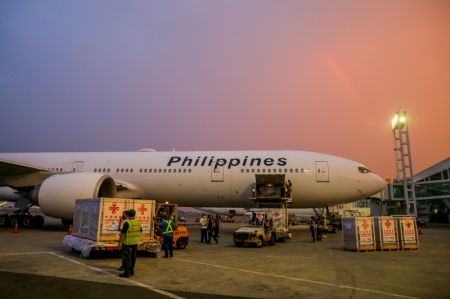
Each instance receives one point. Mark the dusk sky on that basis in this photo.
(323, 76)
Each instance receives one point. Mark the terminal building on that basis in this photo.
(432, 192)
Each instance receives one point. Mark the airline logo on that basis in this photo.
(229, 163)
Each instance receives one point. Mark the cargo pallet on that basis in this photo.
(89, 248)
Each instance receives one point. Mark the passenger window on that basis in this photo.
(184, 170)
(189, 170)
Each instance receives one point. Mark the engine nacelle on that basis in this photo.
(57, 194)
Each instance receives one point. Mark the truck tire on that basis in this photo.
(4, 220)
(181, 243)
(259, 242)
(273, 239)
(331, 228)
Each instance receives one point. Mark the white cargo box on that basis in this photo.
(386, 233)
(279, 216)
(98, 219)
(358, 233)
(407, 232)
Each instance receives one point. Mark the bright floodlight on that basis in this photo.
(399, 120)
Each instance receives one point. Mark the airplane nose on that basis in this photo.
(378, 184)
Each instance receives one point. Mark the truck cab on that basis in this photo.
(257, 229)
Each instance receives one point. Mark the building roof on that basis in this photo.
(438, 167)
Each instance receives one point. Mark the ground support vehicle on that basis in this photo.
(256, 230)
(267, 221)
(180, 234)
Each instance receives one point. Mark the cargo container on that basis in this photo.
(407, 232)
(96, 224)
(358, 233)
(386, 233)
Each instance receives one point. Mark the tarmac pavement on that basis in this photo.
(35, 263)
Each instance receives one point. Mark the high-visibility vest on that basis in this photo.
(133, 233)
(169, 228)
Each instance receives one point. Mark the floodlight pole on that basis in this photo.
(403, 160)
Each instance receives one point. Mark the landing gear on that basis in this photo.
(22, 218)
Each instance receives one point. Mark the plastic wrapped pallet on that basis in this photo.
(407, 232)
(358, 233)
(386, 234)
(98, 219)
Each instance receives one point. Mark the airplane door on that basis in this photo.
(217, 174)
(322, 174)
(78, 166)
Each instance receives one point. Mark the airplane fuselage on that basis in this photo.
(217, 179)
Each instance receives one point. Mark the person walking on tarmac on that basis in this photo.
(203, 229)
(216, 225)
(167, 227)
(210, 229)
(313, 228)
(129, 237)
(319, 229)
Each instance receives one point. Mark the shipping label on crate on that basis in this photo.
(409, 230)
(365, 231)
(144, 216)
(112, 213)
(388, 231)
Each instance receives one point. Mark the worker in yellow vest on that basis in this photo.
(167, 228)
(129, 238)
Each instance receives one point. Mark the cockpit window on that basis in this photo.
(363, 169)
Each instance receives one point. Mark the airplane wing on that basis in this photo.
(17, 175)
(8, 168)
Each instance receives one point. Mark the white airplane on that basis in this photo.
(196, 179)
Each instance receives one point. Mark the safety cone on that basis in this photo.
(70, 230)
(16, 229)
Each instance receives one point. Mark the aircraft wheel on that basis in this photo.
(273, 239)
(181, 243)
(26, 221)
(13, 220)
(4, 220)
(259, 242)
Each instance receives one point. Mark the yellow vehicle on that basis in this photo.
(180, 234)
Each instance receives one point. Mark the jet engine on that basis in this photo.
(57, 194)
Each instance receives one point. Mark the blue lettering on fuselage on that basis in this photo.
(229, 163)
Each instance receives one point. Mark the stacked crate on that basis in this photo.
(358, 233)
